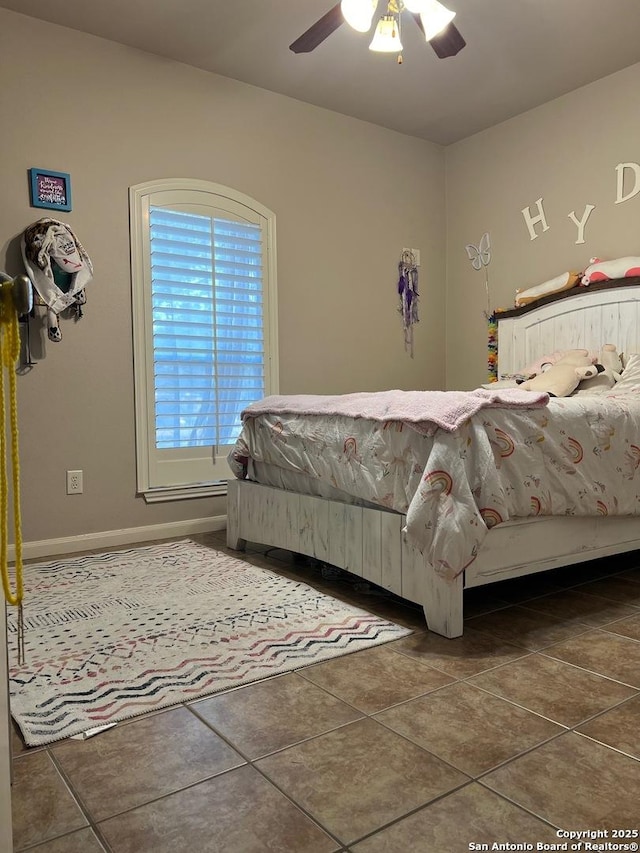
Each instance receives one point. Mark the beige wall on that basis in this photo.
(348, 197)
(566, 152)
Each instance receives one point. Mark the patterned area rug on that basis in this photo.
(115, 635)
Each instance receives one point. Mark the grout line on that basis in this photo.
(590, 671)
(519, 805)
(251, 762)
(413, 811)
(76, 796)
(608, 746)
(517, 704)
(281, 749)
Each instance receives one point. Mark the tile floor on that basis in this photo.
(527, 724)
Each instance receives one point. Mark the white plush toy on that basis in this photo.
(565, 281)
(542, 364)
(610, 360)
(609, 375)
(564, 376)
(599, 270)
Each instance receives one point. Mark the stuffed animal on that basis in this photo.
(599, 270)
(610, 360)
(609, 375)
(542, 364)
(565, 281)
(564, 376)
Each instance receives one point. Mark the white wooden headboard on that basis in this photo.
(593, 318)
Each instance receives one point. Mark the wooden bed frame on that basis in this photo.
(370, 542)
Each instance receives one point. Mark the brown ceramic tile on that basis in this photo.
(629, 627)
(18, 746)
(472, 814)
(482, 600)
(404, 614)
(159, 754)
(252, 718)
(592, 569)
(467, 727)
(615, 588)
(375, 678)
(358, 778)
(618, 728)
(238, 812)
(573, 783)
(214, 538)
(632, 574)
(42, 806)
(467, 655)
(553, 688)
(83, 841)
(528, 586)
(526, 628)
(573, 605)
(254, 816)
(603, 653)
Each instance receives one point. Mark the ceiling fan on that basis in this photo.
(433, 19)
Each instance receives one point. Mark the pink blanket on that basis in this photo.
(422, 410)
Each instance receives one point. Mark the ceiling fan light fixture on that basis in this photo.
(435, 17)
(359, 13)
(386, 38)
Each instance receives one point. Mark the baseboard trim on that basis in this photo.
(109, 538)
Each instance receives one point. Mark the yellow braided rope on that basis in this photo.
(9, 353)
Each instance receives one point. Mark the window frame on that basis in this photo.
(148, 458)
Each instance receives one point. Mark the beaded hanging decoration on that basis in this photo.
(408, 293)
(492, 347)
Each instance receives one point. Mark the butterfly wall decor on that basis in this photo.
(480, 256)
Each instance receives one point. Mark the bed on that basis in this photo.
(432, 559)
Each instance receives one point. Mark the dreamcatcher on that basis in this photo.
(408, 293)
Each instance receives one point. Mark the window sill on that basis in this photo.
(181, 493)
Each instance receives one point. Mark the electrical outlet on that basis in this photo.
(74, 482)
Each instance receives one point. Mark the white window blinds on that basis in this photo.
(208, 340)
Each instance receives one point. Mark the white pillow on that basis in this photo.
(629, 382)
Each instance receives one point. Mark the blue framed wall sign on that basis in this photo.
(50, 189)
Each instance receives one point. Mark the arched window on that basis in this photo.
(203, 271)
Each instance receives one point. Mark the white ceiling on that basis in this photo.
(519, 53)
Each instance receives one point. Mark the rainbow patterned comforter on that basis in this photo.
(577, 456)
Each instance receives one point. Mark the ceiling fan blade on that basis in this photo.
(319, 31)
(447, 43)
